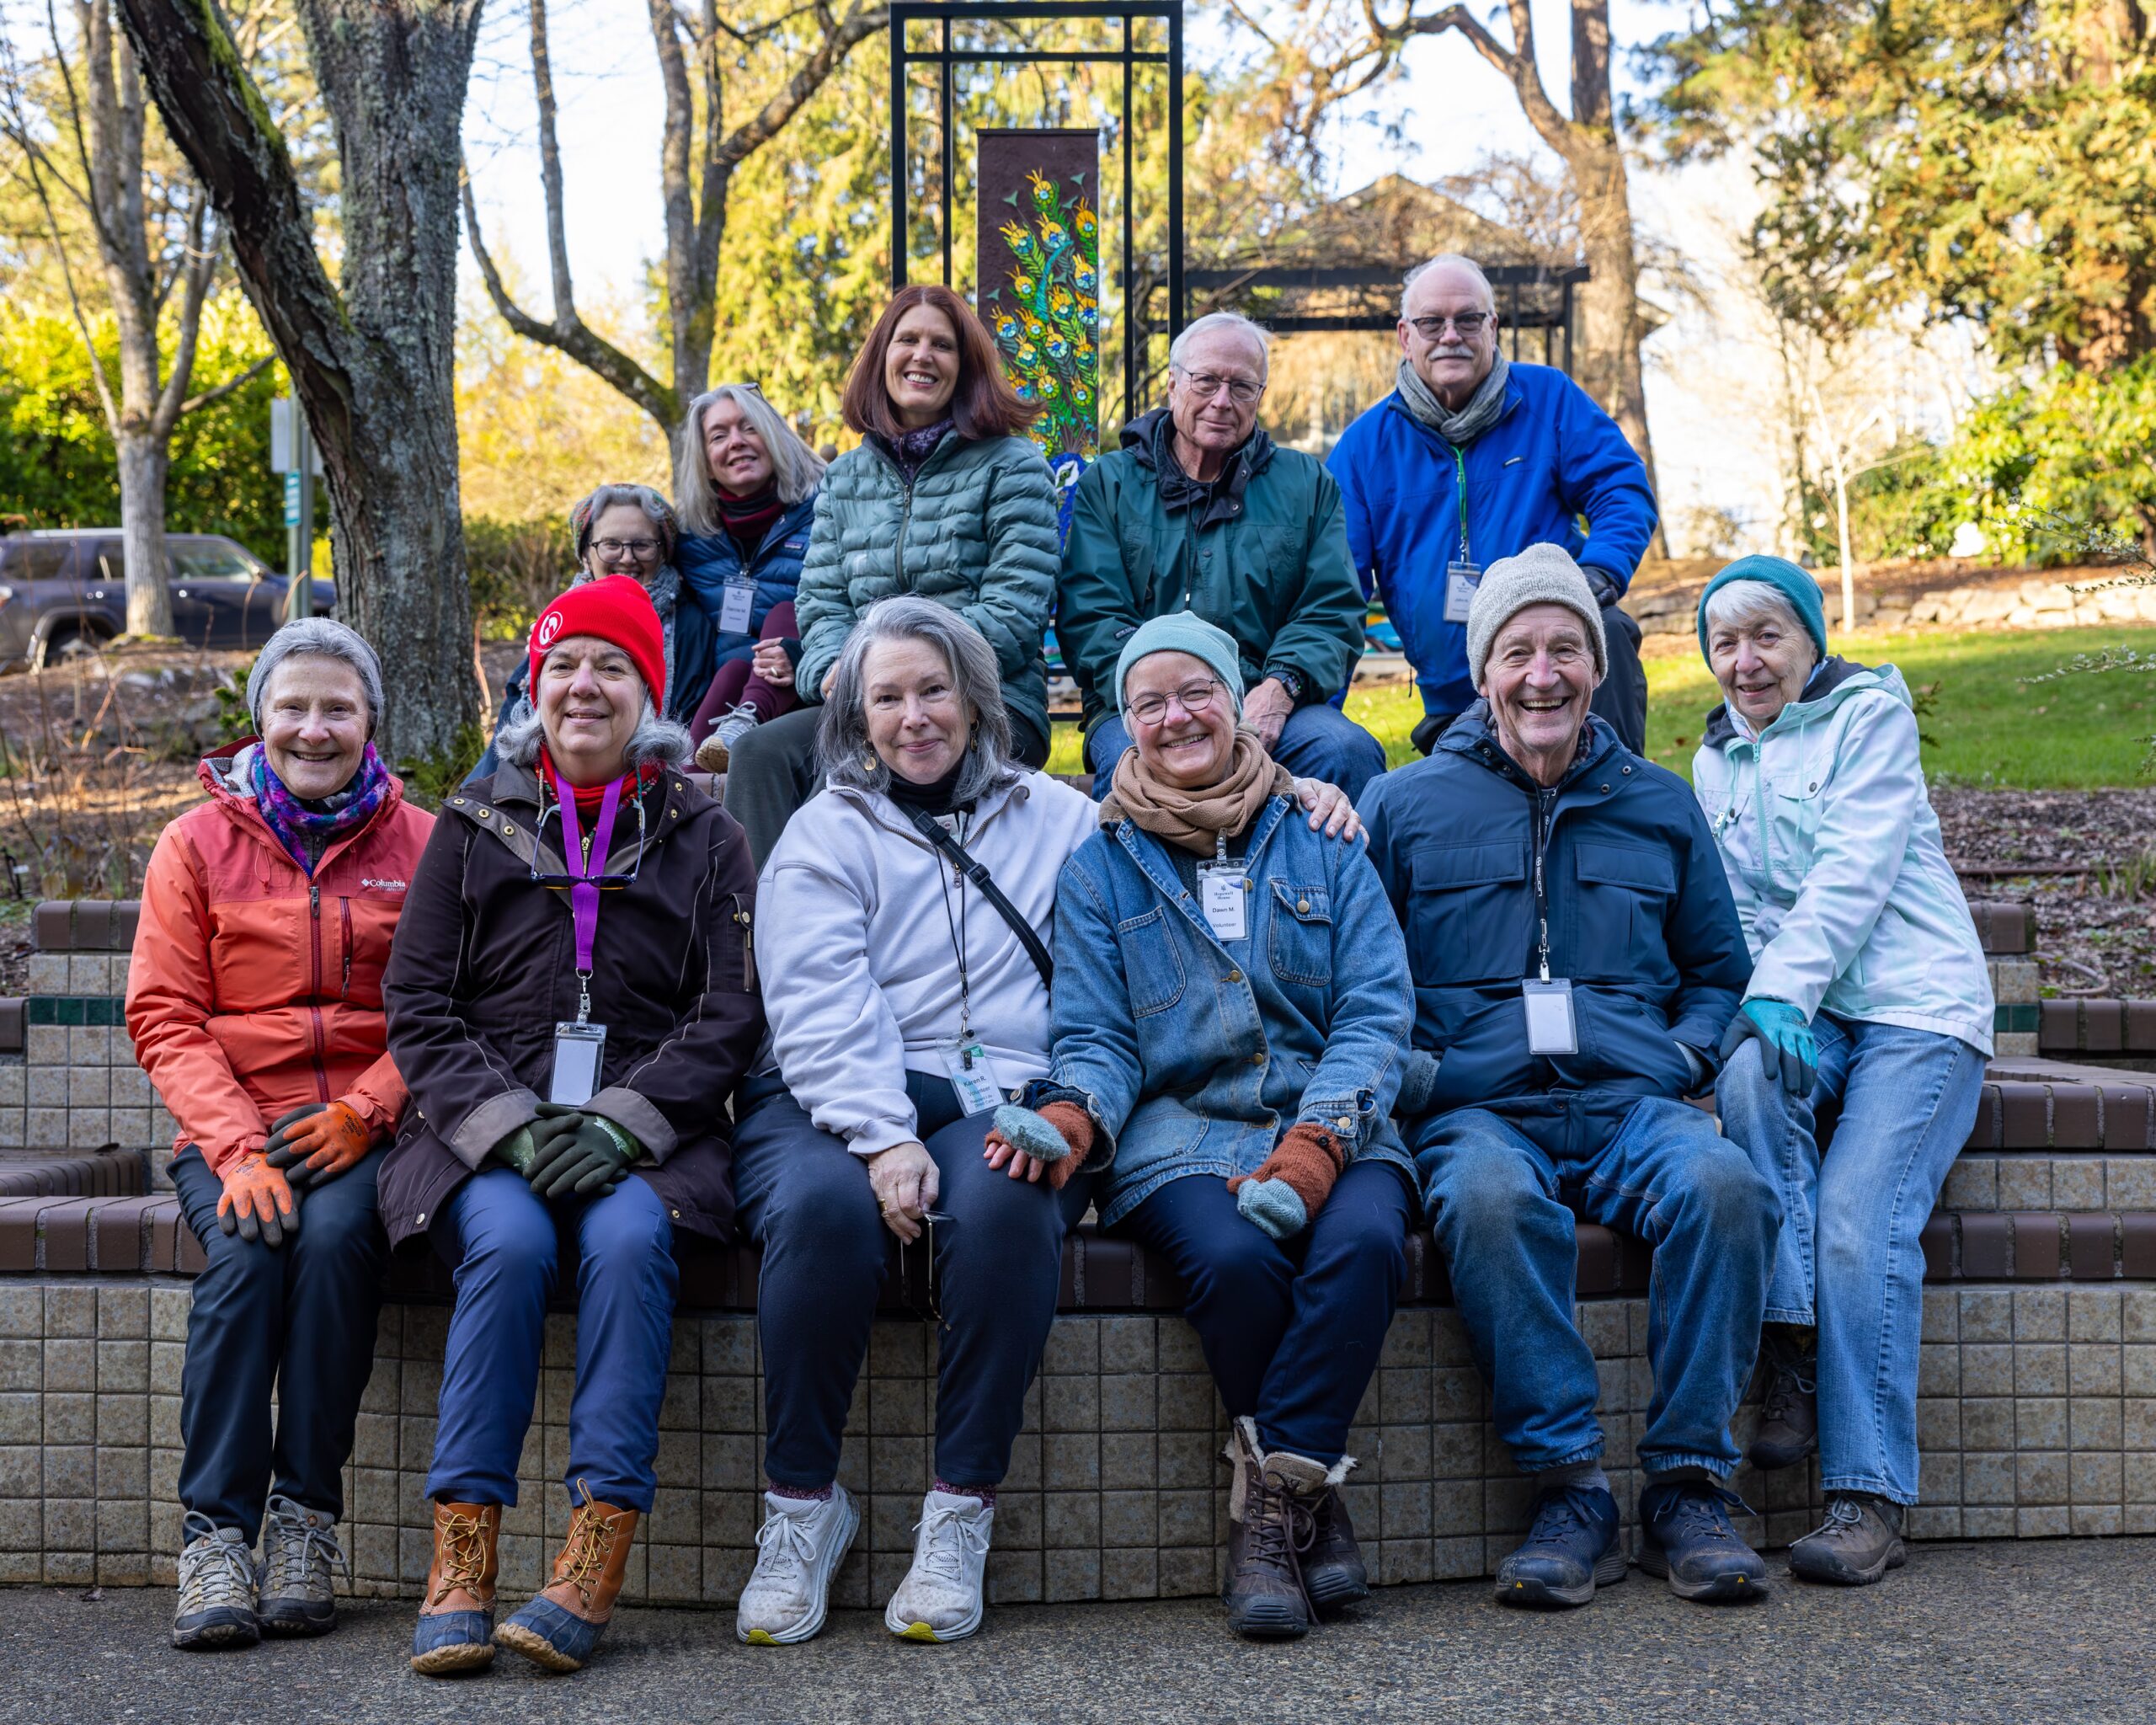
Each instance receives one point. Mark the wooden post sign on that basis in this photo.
(1038, 283)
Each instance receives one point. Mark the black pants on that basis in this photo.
(300, 1319)
(1621, 702)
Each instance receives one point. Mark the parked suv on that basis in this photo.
(61, 587)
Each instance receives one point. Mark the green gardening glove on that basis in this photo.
(1788, 1049)
(587, 1162)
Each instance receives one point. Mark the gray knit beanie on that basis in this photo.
(333, 640)
(1185, 632)
(1541, 574)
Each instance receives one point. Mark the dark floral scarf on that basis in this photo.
(306, 829)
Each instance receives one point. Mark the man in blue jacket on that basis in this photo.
(1577, 958)
(1472, 458)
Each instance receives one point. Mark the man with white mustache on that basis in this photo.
(1578, 958)
(1474, 457)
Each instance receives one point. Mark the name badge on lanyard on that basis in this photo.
(1550, 1030)
(1223, 893)
(579, 1045)
(736, 606)
(1462, 578)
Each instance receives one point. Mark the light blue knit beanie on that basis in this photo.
(1185, 632)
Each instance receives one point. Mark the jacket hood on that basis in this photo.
(1147, 435)
(1832, 681)
(1474, 735)
(885, 813)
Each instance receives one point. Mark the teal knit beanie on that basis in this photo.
(1185, 632)
(1786, 578)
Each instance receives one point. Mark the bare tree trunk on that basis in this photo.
(145, 461)
(371, 355)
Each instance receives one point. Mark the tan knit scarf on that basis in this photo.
(1194, 819)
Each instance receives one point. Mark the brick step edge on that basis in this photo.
(2066, 1027)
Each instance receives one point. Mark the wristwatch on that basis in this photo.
(1288, 678)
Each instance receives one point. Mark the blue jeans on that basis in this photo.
(1291, 1328)
(805, 1198)
(299, 1319)
(1851, 1258)
(1318, 741)
(502, 1240)
(1502, 1191)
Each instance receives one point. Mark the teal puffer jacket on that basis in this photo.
(975, 530)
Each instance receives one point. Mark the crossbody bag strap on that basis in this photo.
(939, 835)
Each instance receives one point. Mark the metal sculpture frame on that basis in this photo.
(944, 57)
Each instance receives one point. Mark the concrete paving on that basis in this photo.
(2056, 1631)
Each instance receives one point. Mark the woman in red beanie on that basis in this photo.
(570, 1000)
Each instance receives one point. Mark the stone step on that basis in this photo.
(2083, 1029)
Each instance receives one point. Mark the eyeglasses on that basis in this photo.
(1241, 390)
(1194, 699)
(634, 548)
(1468, 323)
(605, 882)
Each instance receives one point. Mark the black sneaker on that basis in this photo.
(1571, 1550)
(1686, 1536)
(1858, 1543)
(1789, 1414)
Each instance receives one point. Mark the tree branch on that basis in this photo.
(201, 254)
(550, 171)
(218, 392)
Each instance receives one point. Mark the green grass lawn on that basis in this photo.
(1986, 723)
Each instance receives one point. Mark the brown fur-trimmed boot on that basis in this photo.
(560, 1628)
(1333, 1572)
(1268, 1529)
(455, 1628)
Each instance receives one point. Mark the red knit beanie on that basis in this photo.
(616, 610)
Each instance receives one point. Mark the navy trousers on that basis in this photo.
(1291, 1328)
(503, 1241)
(301, 1320)
(805, 1198)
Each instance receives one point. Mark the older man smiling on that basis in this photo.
(1576, 959)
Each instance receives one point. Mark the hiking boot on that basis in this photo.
(1571, 1549)
(1789, 1412)
(558, 1630)
(300, 1559)
(940, 1600)
(1269, 1528)
(1859, 1542)
(799, 1550)
(216, 1588)
(1685, 1536)
(716, 749)
(1333, 1572)
(456, 1628)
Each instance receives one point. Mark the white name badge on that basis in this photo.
(1461, 579)
(1225, 894)
(1549, 1026)
(973, 1077)
(736, 606)
(577, 1051)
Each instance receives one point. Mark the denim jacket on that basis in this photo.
(1196, 1055)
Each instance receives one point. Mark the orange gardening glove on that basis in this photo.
(317, 1143)
(1055, 1152)
(1292, 1185)
(258, 1204)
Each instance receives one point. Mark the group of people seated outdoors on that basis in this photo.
(1257, 1003)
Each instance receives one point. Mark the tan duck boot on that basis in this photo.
(559, 1629)
(455, 1628)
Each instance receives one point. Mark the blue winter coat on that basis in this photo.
(1196, 1055)
(1552, 456)
(708, 563)
(1640, 918)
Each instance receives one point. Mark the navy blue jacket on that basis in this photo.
(1640, 917)
(1553, 458)
(707, 563)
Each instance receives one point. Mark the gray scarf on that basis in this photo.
(1471, 421)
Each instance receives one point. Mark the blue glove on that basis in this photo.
(1785, 1035)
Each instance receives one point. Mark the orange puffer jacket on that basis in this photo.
(254, 991)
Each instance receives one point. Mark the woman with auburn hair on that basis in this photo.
(944, 499)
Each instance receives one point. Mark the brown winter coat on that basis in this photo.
(484, 967)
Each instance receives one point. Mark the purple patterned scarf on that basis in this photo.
(306, 830)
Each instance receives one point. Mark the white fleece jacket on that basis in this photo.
(856, 950)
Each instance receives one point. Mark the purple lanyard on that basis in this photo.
(583, 894)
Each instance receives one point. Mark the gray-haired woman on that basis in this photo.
(911, 1010)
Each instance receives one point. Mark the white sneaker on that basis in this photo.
(799, 1550)
(717, 749)
(940, 1600)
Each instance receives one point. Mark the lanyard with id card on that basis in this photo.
(579, 1045)
(1463, 574)
(1223, 893)
(736, 606)
(965, 1060)
(1551, 1029)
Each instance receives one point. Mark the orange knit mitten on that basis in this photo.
(1292, 1185)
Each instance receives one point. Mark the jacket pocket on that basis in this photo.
(1152, 968)
(1302, 941)
(1471, 919)
(1624, 903)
